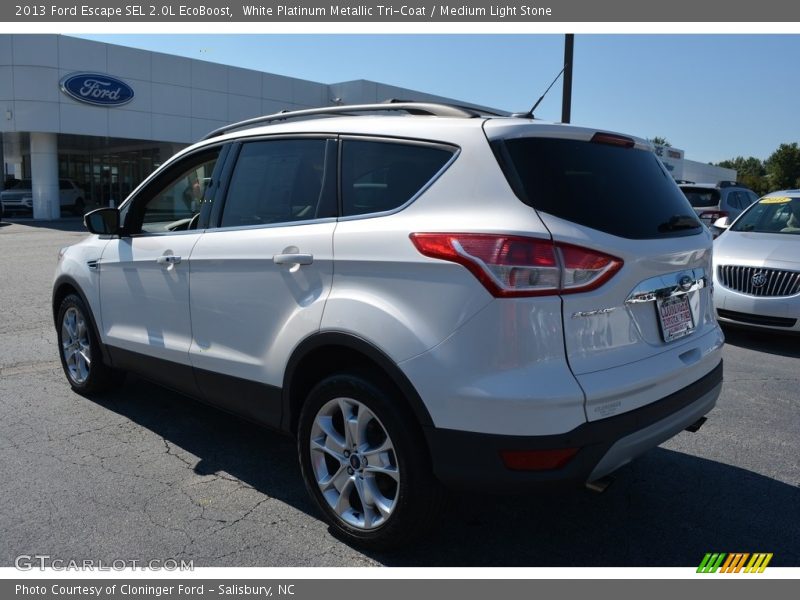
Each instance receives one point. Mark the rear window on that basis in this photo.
(701, 197)
(622, 191)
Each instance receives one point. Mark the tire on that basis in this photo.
(373, 480)
(79, 350)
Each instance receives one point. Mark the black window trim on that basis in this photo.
(454, 149)
(164, 175)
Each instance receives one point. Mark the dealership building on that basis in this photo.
(105, 115)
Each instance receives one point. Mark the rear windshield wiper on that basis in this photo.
(679, 222)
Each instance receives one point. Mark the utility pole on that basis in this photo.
(566, 96)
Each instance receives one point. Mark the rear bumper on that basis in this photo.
(472, 460)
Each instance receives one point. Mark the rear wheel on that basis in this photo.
(79, 349)
(364, 462)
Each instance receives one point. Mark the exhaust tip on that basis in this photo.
(600, 485)
(695, 427)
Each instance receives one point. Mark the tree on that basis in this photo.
(750, 172)
(660, 141)
(745, 166)
(783, 167)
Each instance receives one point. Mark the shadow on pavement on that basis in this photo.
(771, 342)
(666, 509)
(65, 224)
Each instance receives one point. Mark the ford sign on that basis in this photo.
(97, 89)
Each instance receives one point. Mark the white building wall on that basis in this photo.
(176, 99)
(705, 173)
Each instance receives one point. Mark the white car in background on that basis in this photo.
(19, 197)
(757, 265)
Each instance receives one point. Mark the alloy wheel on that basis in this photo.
(354, 463)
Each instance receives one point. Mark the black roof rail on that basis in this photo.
(679, 181)
(724, 184)
(414, 108)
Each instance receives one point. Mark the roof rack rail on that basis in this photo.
(724, 184)
(679, 181)
(413, 108)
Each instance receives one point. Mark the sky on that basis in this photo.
(715, 96)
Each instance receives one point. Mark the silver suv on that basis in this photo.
(712, 201)
(422, 295)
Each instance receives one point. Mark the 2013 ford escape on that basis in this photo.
(422, 294)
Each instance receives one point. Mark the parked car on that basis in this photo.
(712, 201)
(19, 197)
(422, 295)
(757, 265)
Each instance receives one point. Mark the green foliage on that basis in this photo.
(750, 172)
(783, 167)
(745, 166)
(660, 141)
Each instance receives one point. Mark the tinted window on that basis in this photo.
(701, 197)
(734, 200)
(23, 184)
(380, 176)
(621, 191)
(64, 184)
(277, 181)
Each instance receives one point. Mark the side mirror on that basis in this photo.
(722, 223)
(102, 221)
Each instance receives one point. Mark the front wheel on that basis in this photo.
(364, 462)
(79, 349)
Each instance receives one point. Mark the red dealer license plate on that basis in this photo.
(675, 316)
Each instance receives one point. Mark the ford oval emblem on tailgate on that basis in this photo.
(97, 89)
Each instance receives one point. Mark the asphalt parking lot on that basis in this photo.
(144, 473)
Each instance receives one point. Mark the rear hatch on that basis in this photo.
(705, 201)
(627, 339)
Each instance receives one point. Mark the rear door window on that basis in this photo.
(379, 176)
(622, 191)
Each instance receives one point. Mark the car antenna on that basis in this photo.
(529, 114)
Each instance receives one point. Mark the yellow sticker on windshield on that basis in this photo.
(775, 200)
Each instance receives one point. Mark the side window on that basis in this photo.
(734, 200)
(277, 181)
(379, 176)
(176, 202)
(751, 197)
(63, 184)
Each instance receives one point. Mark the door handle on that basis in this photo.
(293, 259)
(168, 259)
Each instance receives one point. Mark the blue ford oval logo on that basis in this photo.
(97, 89)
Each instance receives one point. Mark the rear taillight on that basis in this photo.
(512, 266)
(613, 139)
(710, 216)
(537, 460)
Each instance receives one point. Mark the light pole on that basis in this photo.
(566, 96)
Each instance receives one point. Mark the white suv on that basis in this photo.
(420, 294)
(19, 197)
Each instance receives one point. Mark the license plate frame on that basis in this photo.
(675, 317)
